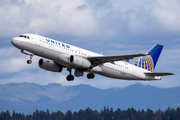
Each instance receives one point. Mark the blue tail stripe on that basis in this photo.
(155, 52)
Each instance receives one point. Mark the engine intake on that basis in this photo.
(79, 62)
(49, 65)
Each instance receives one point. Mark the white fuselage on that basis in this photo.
(53, 50)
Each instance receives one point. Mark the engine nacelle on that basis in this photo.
(49, 65)
(79, 62)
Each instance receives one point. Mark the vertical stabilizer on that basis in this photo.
(149, 61)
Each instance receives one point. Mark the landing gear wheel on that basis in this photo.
(70, 78)
(29, 61)
(90, 75)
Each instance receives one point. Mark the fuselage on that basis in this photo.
(56, 51)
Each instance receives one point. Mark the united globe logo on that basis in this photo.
(145, 62)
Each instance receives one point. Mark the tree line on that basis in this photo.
(88, 114)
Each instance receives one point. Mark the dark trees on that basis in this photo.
(89, 114)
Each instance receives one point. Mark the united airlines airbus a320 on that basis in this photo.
(58, 55)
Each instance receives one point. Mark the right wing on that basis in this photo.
(99, 60)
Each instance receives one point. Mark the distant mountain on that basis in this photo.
(26, 97)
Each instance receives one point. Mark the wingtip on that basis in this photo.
(172, 74)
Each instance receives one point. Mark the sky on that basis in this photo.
(110, 27)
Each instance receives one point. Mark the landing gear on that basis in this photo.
(70, 77)
(90, 75)
(30, 60)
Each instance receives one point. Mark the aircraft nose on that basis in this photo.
(15, 42)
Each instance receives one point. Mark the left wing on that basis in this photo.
(99, 60)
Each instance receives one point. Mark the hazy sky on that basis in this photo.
(111, 27)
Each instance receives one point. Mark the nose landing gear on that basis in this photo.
(30, 60)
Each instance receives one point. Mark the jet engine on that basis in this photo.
(79, 62)
(49, 65)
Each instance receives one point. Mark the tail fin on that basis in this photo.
(149, 61)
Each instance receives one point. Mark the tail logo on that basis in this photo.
(149, 61)
(145, 62)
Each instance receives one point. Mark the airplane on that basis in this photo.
(57, 55)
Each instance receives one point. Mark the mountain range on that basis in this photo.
(27, 97)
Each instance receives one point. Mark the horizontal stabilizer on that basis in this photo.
(158, 74)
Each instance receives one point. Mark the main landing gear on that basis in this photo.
(90, 75)
(70, 77)
(30, 60)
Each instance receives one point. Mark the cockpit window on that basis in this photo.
(24, 36)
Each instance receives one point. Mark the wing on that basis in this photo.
(99, 60)
(158, 74)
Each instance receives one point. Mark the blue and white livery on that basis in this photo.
(57, 55)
